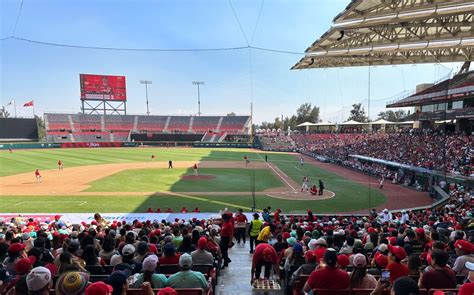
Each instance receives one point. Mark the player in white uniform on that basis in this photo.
(305, 184)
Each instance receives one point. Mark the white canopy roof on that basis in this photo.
(306, 124)
(352, 122)
(382, 122)
(325, 124)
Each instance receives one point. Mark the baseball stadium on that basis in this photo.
(259, 167)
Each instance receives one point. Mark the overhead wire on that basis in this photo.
(238, 22)
(257, 22)
(17, 18)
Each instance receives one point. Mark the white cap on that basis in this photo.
(385, 210)
(115, 259)
(128, 249)
(38, 278)
(150, 263)
(312, 244)
(469, 265)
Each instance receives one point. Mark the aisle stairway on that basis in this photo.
(235, 280)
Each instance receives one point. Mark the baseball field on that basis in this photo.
(129, 180)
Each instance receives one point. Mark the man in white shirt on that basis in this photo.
(385, 216)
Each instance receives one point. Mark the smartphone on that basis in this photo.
(385, 276)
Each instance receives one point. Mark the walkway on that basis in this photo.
(235, 280)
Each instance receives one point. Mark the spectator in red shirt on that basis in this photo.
(149, 210)
(329, 276)
(240, 226)
(264, 255)
(169, 255)
(196, 210)
(441, 276)
(227, 233)
(397, 269)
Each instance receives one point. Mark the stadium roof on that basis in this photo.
(388, 32)
(459, 87)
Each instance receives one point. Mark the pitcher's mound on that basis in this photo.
(199, 177)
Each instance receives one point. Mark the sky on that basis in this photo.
(234, 79)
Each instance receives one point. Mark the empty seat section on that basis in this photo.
(179, 124)
(205, 123)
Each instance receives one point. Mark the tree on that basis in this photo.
(41, 128)
(393, 116)
(307, 113)
(358, 113)
(232, 114)
(4, 113)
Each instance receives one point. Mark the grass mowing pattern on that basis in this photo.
(164, 180)
(349, 196)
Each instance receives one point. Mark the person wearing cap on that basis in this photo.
(39, 281)
(118, 281)
(328, 276)
(264, 256)
(441, 276)
(359, 278)
(72, 283)
(307, 268)
(148, 274)
(385, 216)
(254, 230)
(16, 251)
(464, 250)
(186, 278)
(169, 254)
(296, 258)
(99, 288)
(142, 250)
(397, 269)
(200, 255)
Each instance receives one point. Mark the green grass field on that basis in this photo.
(161, 180)
(349, 196)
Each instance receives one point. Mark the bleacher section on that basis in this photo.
(85, 128)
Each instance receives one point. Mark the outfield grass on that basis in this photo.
(170, 180)
(349, 196)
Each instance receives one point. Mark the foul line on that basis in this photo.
(40, 202)
(276, 172)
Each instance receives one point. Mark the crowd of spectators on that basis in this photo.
(429, 249)
(432, 150)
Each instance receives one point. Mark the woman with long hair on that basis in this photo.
(359, 278)
(89, 255)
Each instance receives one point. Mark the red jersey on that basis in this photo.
(195, 166)
(227, 229)
(397, 270)
(258, 254)
(60, 163)
(37, 173)
(329, 278)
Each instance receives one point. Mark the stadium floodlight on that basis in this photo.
(199, 97)
(146, 82)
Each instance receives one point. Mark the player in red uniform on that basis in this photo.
(60, 165)
(153, 157)
(37, 175)
(195, 168)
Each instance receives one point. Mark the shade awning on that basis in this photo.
(305, 124)
(351, 123)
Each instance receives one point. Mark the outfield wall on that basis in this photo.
(37, 145)
(18, 129)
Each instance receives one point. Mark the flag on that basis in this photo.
(11, 103)
(28, 104)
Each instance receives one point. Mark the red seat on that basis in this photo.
(452, 291)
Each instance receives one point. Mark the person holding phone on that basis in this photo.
(401, 286)
(396, 268)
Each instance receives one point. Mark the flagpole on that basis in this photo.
(34, 115)
(14, 105)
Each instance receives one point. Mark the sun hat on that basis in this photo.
(72, 283)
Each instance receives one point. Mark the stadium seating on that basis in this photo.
(74, 127)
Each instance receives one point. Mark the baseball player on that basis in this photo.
(152, 158)
(304, 185)
(247, 161)
(301, 161)
(170, 164)
(37, 175)
(60, 165)
(195, 168)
